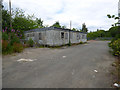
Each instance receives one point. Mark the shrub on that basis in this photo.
(11, 41)
(6, 47)
(81, 42)
(25, 45)
(17, 47)
(115, 45)
(30, 42)
(14, 39)
(69, 43)
(9, 49)
(4, 36)
(117, 36)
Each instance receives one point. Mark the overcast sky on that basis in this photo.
(91, 12)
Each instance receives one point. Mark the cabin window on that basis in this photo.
(40, 36)
(27, 35)
(79, 36)
(83, 36)
(62, 35)
(66, 35)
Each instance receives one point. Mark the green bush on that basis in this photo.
(11, 43)
(17, 47)
(69, 43)
(115, 45)
(117, 36)
(4, 36)
(6, 47)
(9, 49)
(14, 38)
(81, 42)
(30, 42)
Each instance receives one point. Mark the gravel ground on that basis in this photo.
(81, 66)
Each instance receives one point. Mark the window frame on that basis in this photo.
(28, 35)
(83, 36)
(62, 34)
(40, 36)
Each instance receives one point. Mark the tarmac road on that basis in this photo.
(80, 66)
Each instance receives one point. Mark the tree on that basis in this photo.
(74, 29)
(114, 31)
(84, 28)
(98, 33)
(113, 17)
(56, 24)
(64, 27)
(109, 16)
(5, 19)
(22, 22)
(39, 22)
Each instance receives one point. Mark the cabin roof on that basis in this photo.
(51, 28)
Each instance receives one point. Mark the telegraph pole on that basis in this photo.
(10, 14)
(69, 32)
(70, 25)
(1, 44)
(0, 16)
